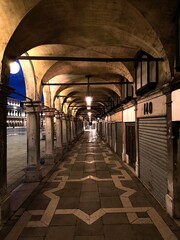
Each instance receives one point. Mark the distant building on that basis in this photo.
(15, 113)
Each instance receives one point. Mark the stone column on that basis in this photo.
(32, 173)
(58, 132)
(64, 132)
(4, 195)
(49, 130)
(72, 130)
(69, 130)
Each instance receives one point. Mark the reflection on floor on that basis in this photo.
(91, 195)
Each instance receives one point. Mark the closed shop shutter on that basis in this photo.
(114, 137)
(153, 156)
(109, 133)
(119, 138)
(131, 143)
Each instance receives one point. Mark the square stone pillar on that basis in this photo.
(49, 129)
(32, 172)
(64, 131)
(4, 195)
(173, 193)
(58, 132)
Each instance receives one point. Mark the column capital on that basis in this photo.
(49, 112)
(58, 114)
(32, 106)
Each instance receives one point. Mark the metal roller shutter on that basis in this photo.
(114, 137)
(153, 156)
(119, 138)
(109, 134)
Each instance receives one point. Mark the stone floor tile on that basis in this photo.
(31, 238)
(98, 157)
(108, 184)
(73, 185)
(115, 218)
(38, 205)
(60, 233)
(108, 192)
(71, 193)
(89, 207)
(110, 202)
(64, 220)
(119, 232)
(83, 229)
(139, 201)
(89, 238)
(34, 232)
(68, 202)
(101, 166)
(103, 174)
(146, 232)
(89, 197)
(89, 187)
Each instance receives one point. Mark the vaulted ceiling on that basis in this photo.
(93, 29)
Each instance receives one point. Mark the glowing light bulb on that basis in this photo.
(88, 100)
(88, 107)
(14, 67)
(89, 114)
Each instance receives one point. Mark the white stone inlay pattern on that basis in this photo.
(118, 180)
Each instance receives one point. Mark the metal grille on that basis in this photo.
(153, 156)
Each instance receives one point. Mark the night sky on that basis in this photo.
(17, 82)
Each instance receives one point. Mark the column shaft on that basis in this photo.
(58, 131)
(4, 196)
(49, 144)
(33, 141)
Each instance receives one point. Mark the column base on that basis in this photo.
(169, 205)
(59, 154)
(173, 206)
(5, 210)
(49, 159)
(32, 174)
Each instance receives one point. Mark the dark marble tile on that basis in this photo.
(68, 203)
(83, 229)
(89, 207)
(89, 187)
(60, 233)
(89, 197)
(65, 220)
(34, 232)
(110, 202)
(146, 232)
(119, 232)
(115, 218)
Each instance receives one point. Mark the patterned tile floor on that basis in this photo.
(90, 196)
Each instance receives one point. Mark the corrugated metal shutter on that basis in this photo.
(119, 138)
(114, 137)
(109, 134)
(153, 155)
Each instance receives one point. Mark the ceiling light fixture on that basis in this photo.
(88, 97)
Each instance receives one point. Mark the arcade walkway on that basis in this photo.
(90, 196)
